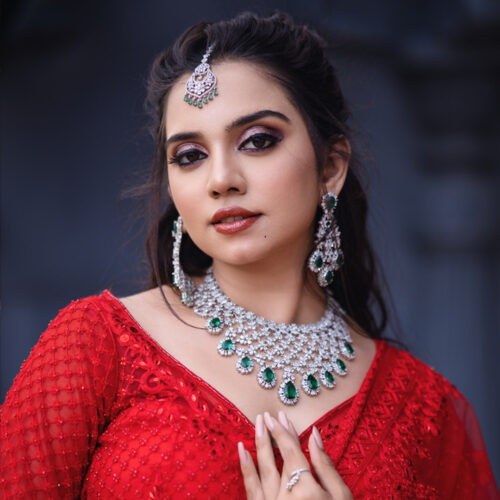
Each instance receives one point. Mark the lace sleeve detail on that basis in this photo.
(464, 470)
(57, 406)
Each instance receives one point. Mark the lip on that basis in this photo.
(225, 213)
(238, 225)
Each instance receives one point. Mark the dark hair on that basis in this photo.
(295, 56)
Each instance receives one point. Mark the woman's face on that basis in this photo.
(245, 154)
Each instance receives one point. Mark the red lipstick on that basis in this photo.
(233, 219)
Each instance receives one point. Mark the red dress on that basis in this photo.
(99, 410)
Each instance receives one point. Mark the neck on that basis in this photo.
(284, 294)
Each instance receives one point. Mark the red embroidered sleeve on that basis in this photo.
(57, 407)
(464, 471)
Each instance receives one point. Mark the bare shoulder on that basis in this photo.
(151, 302)
(164, 321)
(149, 309)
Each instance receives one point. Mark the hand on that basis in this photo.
(270, 486)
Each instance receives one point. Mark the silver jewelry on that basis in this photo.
(180, 281)
(295, 476)
(201, 86)
(327, 256)
(310, 351)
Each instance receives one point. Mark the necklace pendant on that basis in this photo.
(310, 384)
(340, 367)
(327, 378)
(267, 377)
(288, 392)
(347, 350)
(214, 325)
(226, 347)
(244, 364)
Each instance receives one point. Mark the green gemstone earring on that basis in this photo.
(327, 256)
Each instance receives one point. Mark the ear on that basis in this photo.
(336, 166)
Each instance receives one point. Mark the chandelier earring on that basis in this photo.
(327, 256)
(180, 281)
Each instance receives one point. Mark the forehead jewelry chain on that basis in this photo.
(310, 351)
(201, 86)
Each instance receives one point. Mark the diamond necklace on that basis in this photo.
(310, 351)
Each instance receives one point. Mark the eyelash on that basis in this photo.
(177, 158)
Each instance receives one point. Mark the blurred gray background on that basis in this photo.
(422, 79)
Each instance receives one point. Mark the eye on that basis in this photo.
(186, 158)
(259, 142)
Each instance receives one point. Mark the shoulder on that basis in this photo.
(419, 377)
(84, 322)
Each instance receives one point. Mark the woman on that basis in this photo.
(253, 365)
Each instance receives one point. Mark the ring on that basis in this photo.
(295, 476)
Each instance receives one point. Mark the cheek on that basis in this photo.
(296, 188)
(182, 194)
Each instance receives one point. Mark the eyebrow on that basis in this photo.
(244, 120)
(239, 122)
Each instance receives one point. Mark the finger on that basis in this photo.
(269, 475)
(288, 444)
(288, 424)
(251, 479)
(327, 474)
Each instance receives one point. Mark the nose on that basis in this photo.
(225, 175)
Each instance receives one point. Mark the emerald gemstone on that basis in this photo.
(175, 227)
(215, 322)
(227, 345)
(349, 348)
(341, 364)
(189, 101)
(312, 382)
(318, 262)
(195, 103)
(204, 100)
(329, 377)
(329, 278)
(215, 92)
(290, 390)
(268, 375)
(185, 97)
(245, 362)
(199, 104)
(331, 202)
(210, 96)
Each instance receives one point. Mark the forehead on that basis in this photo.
(243, 88)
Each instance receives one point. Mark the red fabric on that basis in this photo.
(100, 410)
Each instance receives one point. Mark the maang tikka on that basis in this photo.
(181, 282)
(327, 256)
(202, 84)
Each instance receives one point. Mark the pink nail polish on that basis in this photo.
(283, 420)
(242, 453)
(268, 420)
(259, 426)
(317, 437)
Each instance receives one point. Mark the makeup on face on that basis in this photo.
(254, 139)
(250, 155)
(231, 220)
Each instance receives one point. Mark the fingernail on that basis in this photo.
(317, 437)
(283, 420)
(259, 426)
(242, 453)
(269, 421)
